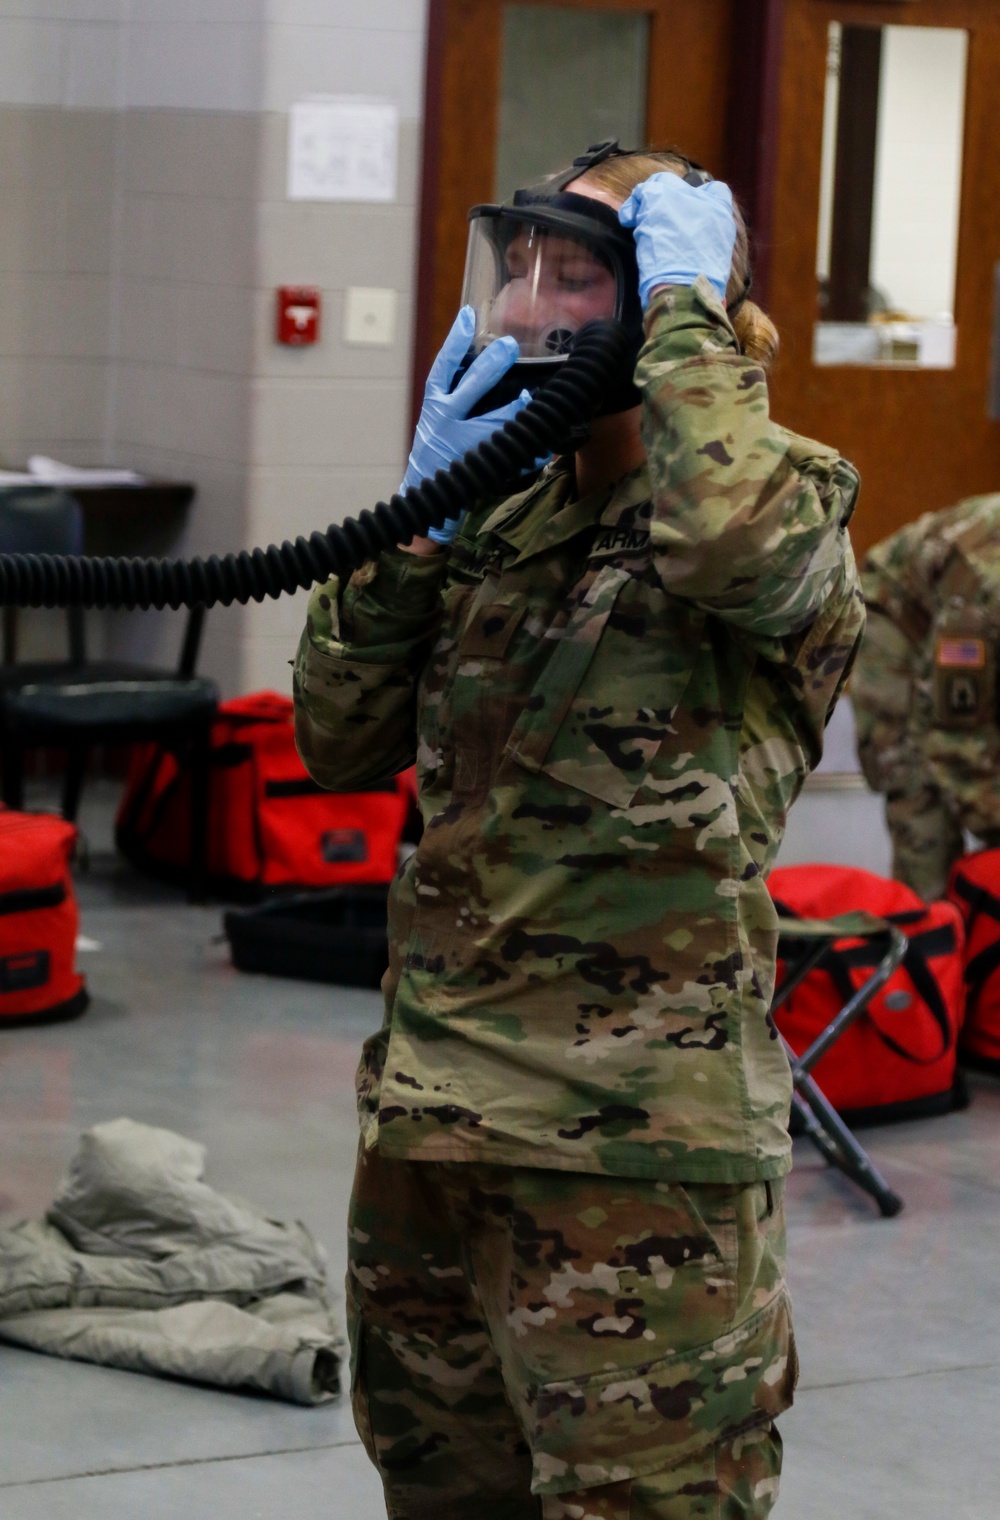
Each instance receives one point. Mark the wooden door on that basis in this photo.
(687, 106)
(921, 438)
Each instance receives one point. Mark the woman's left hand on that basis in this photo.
(681, 231)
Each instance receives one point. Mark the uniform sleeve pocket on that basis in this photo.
(602, 706)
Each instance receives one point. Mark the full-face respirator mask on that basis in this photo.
(541, 266)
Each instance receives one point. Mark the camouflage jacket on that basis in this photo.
(611, 703)
(925, 687)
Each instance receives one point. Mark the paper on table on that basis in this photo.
(54, 472)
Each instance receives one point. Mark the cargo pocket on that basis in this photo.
(630, 1422)
(602, 707)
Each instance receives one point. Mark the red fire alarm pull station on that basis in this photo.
(298, 315)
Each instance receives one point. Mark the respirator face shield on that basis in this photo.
(538, 270)
(535, 283)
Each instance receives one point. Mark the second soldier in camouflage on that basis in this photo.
(924, 689)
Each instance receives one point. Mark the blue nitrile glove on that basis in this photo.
(681, 231)
(445, 431)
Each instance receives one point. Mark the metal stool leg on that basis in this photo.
(12, 771)
(818, 1118)
(198, 890)
(838, 1147)
(76, 766)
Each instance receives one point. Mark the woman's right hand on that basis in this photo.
(445, 431)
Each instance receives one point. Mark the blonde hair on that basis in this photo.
(757, 334)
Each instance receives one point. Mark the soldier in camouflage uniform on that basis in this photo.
(566, 1285)
(925, 687)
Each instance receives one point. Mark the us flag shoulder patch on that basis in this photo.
(961, 654)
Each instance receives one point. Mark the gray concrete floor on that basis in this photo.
(897, 1319)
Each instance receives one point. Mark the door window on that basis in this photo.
(891, 175)
(569, 78)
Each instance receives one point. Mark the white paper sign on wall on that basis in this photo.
(342, 148)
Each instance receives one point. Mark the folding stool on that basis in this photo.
(803, 945)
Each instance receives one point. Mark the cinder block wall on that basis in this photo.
(144, 227)
(182, 378)
(58, 74)
(330, 423)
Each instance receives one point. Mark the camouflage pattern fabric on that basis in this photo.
(924, 688)
(612, 702)
(617, 1349)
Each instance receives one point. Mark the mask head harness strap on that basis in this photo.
(599, 152)
(553, 189)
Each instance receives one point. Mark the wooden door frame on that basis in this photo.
(732, 126)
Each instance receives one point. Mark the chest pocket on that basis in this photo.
(601, 708)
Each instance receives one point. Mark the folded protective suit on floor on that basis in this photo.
(140, 1264)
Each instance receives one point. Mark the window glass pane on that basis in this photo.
(889, 199)
(569, 78)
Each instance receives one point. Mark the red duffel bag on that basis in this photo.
(974, 888)
(38, 920)
(898, 1060)
(269, 824)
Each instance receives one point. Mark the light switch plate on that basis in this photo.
(370, 315)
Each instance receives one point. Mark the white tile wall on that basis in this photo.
(64, 10)
(331, 423)
(180, 54)
(187, 13)
(306, 60)
(54, 315)
(60, 54)
(90, 65)
(379, 15)
(181, 396)
(31, 62)
(145, 227)
(56, 184)
(304, 498)
(334, 246)
(198, 67)
(170, 153)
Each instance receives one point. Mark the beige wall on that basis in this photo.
(181, 382)
(330, 423)
(57, 171)
(56, 184)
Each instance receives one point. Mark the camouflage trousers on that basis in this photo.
(926, 832)
(541, 1345)
(927, 827)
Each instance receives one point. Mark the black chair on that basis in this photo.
(76, 703)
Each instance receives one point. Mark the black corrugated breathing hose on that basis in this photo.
(571, 398)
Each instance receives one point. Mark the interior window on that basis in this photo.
(891, 176)
(569, 78)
